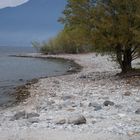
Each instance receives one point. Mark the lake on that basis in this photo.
(16, 71)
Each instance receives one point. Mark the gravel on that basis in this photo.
(54, 101)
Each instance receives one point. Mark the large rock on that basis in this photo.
(77, 120)
(108, 103)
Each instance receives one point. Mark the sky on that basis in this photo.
(25, 21)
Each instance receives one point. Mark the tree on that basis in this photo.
(66, 41)
(78, 15)
(111, 26)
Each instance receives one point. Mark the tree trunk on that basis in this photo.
(124, 58)
(127, 60)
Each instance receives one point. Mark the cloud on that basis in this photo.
(11, 3)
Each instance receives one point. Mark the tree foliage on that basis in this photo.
(78, 14)
(108, 25)
(66, 41)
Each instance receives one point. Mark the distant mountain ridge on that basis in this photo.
(34, 20)
(11, 3)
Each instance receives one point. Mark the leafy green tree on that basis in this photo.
(110, 26)
(78, 16)
(66, 41)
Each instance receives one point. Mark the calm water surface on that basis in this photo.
(17, 71)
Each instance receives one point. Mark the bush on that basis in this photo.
(67, 41)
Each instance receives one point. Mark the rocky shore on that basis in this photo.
(92, 103)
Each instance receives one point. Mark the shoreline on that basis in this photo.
(22, 93)
(55, 101)
(75, 66)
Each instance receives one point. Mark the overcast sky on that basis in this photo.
(24, 21)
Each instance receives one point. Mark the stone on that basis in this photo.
(121, 115)
(33, 120)
(108, 103)
(136, 118)
(56, 82)
(19, 115)
(21, 80)
(93, 121)
(77, 120)
(97, 108)
(24, 115)
(31, 115)
(132, 133)
(81, 105)
(61, 121)
(137, 99)
(72, 70)
(59, 107)
(68, 103)
(119, 106)
(127, 93)
(51, 102)
(95, 105)
(67, 97)
(71, 109)
(74, 105)
(83, 77)
(53, 94)
(137, 111)
(104, 98)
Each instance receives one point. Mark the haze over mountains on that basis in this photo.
(35, 20)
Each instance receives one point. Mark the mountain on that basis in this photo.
(35, 20)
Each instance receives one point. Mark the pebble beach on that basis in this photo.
(93, 103)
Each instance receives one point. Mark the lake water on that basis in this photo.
(17, 71)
